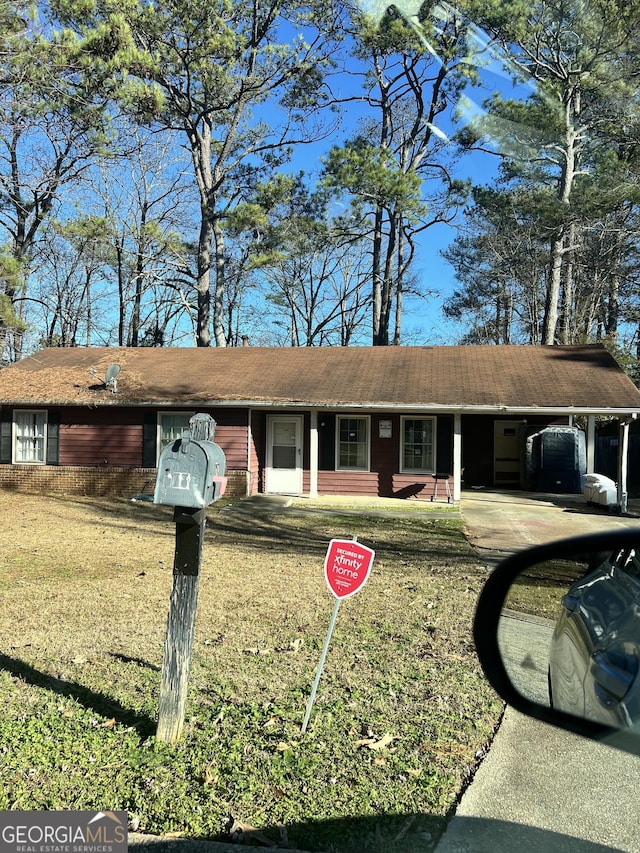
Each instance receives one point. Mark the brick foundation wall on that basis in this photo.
(116, 482)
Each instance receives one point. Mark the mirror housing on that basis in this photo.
(580, 564)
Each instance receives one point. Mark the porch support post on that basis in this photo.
(591, 444)
(250, 485)
(623, 454)
(313, 455)
(457, 456)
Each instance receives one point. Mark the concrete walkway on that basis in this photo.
(541, 788)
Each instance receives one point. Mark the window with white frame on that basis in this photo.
(418, 445)
(29, 436)
(353, 444)
(171, 425)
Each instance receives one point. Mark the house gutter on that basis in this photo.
(371, 408)
(434, 408)
(404, 407)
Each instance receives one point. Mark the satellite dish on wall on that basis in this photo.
(111, 376)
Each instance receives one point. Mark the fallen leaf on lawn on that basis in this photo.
(209, 778)
(379, 760)
(283, 747)
(296, 645)
(242, 832)
(365, 741)
(109, 724)
(68, 712)
(385, 740)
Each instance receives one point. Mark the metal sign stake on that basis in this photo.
(323, 656)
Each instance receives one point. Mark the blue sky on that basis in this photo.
(424, 320)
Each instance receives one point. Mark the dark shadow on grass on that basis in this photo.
(137, 661)
(417, 833)
(113, 511)
(100, 703)
(294, 531)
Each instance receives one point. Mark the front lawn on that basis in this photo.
(402, 714)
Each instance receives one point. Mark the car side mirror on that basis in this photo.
(557, 631)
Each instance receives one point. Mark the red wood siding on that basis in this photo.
(232, 435)
(109, 437)
(384, 479)
(347, 483)
(385, 454)
(112, 445)
(113, 437)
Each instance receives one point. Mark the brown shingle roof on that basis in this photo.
(484, 377)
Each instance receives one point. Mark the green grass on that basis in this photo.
(401, 715)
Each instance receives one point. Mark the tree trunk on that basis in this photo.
(377, 278)
(553, 290)
(218, 308)
(568, 332)
(139, 280)
(558, 243)
(203, 282)
(200, 143)
(400, 270)
(387, 282)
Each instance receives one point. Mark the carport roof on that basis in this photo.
(454, 378)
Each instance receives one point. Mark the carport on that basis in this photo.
(497, 443)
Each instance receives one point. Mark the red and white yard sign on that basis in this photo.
(347, 566)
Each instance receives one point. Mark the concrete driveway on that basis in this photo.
(541, 788)
(500, 523)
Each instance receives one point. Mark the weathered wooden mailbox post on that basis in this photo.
(191, 475)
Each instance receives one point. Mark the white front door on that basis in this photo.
(284, 455)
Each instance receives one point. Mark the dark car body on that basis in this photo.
(594, 655)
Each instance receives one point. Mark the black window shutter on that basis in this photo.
(53, 438)
(327, 442)
(149, 433)
(444, 463)
(5, 436)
